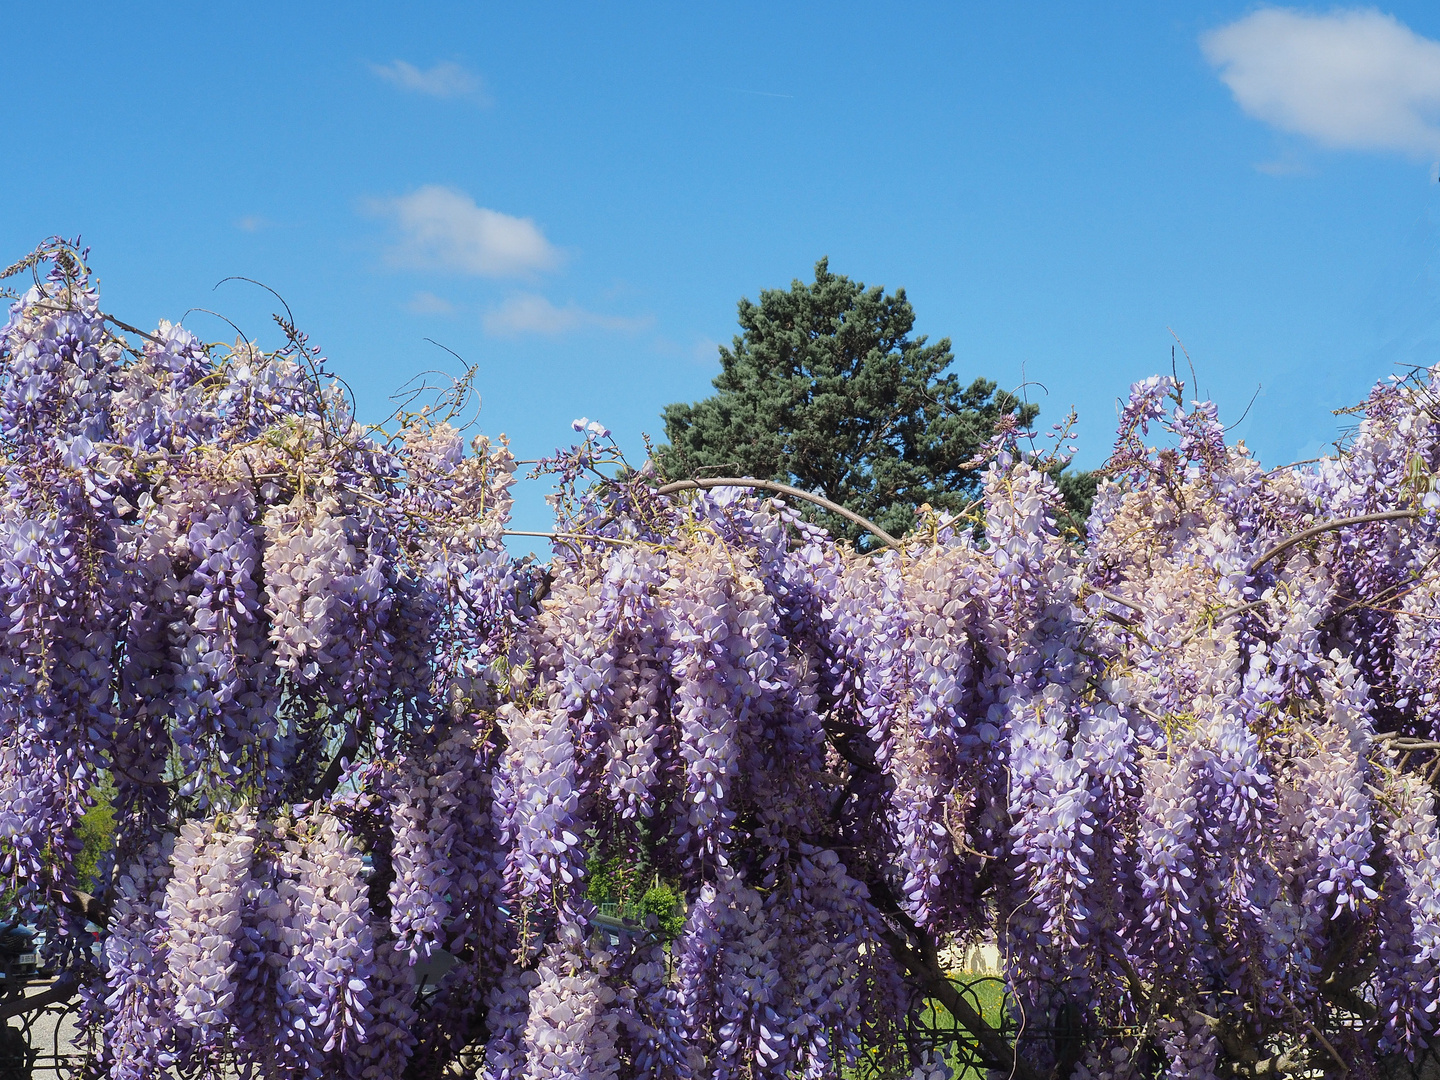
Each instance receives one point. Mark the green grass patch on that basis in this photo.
(987, 995)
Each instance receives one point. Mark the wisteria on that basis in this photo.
(1180, 766)
(202, 907)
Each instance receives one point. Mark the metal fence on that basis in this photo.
(1057, 1031)
(42, 1044)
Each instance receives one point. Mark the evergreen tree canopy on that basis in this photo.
(826, 389)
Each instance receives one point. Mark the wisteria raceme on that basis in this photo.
(203, 901)
(257, 949)
(1167, 845)
(537, 791)
(508, 1008)
(1236, 798)
(221, 715)
(157, 402)
(827, 970)
(367, 768)
(1343, 830)
(1410, 928)
(571, 1032)
(60, 361)
(708, 698)
(324, 992)
(650, 1036)
(420, 855)
(729, 980)
(390, 1034)
(477, 923)
(140, 1023)
(448, 864)
(632, 762)
(60, 582)
(1050, 800)
(1105, 746)
(1190, 1048)
(916, 682)
(932, 1066)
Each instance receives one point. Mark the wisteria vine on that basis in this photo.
(1181, 771)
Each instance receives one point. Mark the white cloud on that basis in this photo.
(1351, 79)
(445, 79)
(529, 314)
(252, 223)
(442, 229)
(427, 303)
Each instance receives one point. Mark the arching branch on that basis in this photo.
(621, 541)
(131, 330)
(782, 489)
(1284, 546)
(1403, 743)
(1327, 526)
(86, 906)
(61, 990)
(1120, 600)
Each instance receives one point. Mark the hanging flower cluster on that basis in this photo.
(278, 633)
(1182, 769)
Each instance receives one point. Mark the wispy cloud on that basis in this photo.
(252, 223)
(445, 79)
(442, 229)
(529, 314)
(427, 303)
(1288, 164)
(705, 352)
(1351, 79)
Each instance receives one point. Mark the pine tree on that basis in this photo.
(826, 389)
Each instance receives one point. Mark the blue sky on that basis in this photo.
(575, 196)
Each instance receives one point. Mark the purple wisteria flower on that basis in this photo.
(1178, 767)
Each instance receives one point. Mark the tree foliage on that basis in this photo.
(824, 388)
(96, 834)
(1183, 772)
